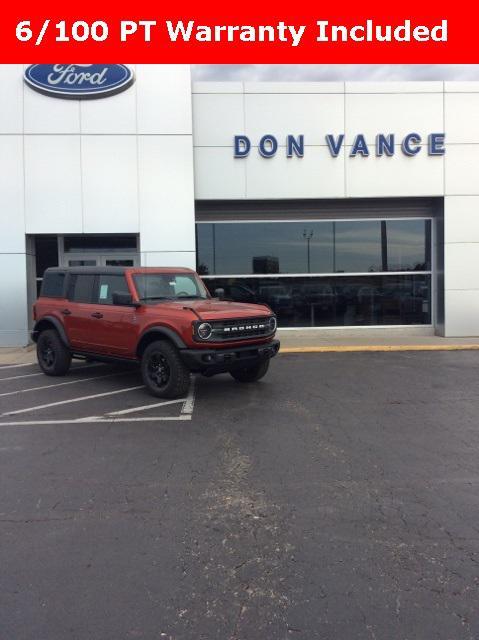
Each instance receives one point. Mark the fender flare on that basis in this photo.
(164, 331)
(57, 325)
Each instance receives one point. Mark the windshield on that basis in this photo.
(154, 287)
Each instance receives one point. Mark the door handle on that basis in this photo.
(66, 312)
(97, 314)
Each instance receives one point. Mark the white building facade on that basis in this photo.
(339, 204)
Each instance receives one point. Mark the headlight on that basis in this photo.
(204, 330)
(272, 324)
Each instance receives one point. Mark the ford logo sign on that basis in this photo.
(79, 80)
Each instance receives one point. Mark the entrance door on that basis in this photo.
(100, 260)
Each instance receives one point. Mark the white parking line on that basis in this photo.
(32, 375)
(56, 404)
(144, 407)
(62, 384)
(94, 420)
(14, 366)
(28, 375)
(189, 403)
(112, 417)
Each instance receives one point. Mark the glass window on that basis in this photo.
(52, 285)
(80, 287)
(357, 247)
(409, 245)
(336, 300)
(46, 253)
(119, 262)
(361, 246)
(86, 243)
(154, 287)
(110, 284)
(82, 263)
(264, 247)
(185, 285)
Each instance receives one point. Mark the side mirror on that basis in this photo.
(220, 293)
(123, 299)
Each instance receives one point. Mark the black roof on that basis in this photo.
(92, 270)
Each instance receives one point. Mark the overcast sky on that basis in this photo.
(300, 72)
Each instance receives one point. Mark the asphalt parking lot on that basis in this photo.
(336, 499)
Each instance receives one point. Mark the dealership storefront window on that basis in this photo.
(323, 272)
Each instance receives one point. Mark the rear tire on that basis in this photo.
(53, 356)
(251, 374)
(163, 371)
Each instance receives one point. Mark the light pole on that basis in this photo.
(307, 235)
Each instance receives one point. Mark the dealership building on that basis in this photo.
(341, 205)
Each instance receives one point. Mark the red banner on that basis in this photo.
(267, 32)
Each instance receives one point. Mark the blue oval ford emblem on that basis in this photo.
(79, 80)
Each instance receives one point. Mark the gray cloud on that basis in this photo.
(310, 72)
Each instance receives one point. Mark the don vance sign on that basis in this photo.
(385, 144)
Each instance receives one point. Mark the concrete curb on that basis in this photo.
(24, 357)
(381, 347)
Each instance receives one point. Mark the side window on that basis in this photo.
(52, 286)
(80, 288)
(110, 284)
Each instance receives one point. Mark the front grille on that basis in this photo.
(240, 329)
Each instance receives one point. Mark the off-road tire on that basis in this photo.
(251, 374)
(53, 356)
(163, 371)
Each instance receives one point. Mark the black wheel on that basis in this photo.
(53, 357)
(251, 374)
(163, 371)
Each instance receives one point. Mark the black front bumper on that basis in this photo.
(211, 361)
